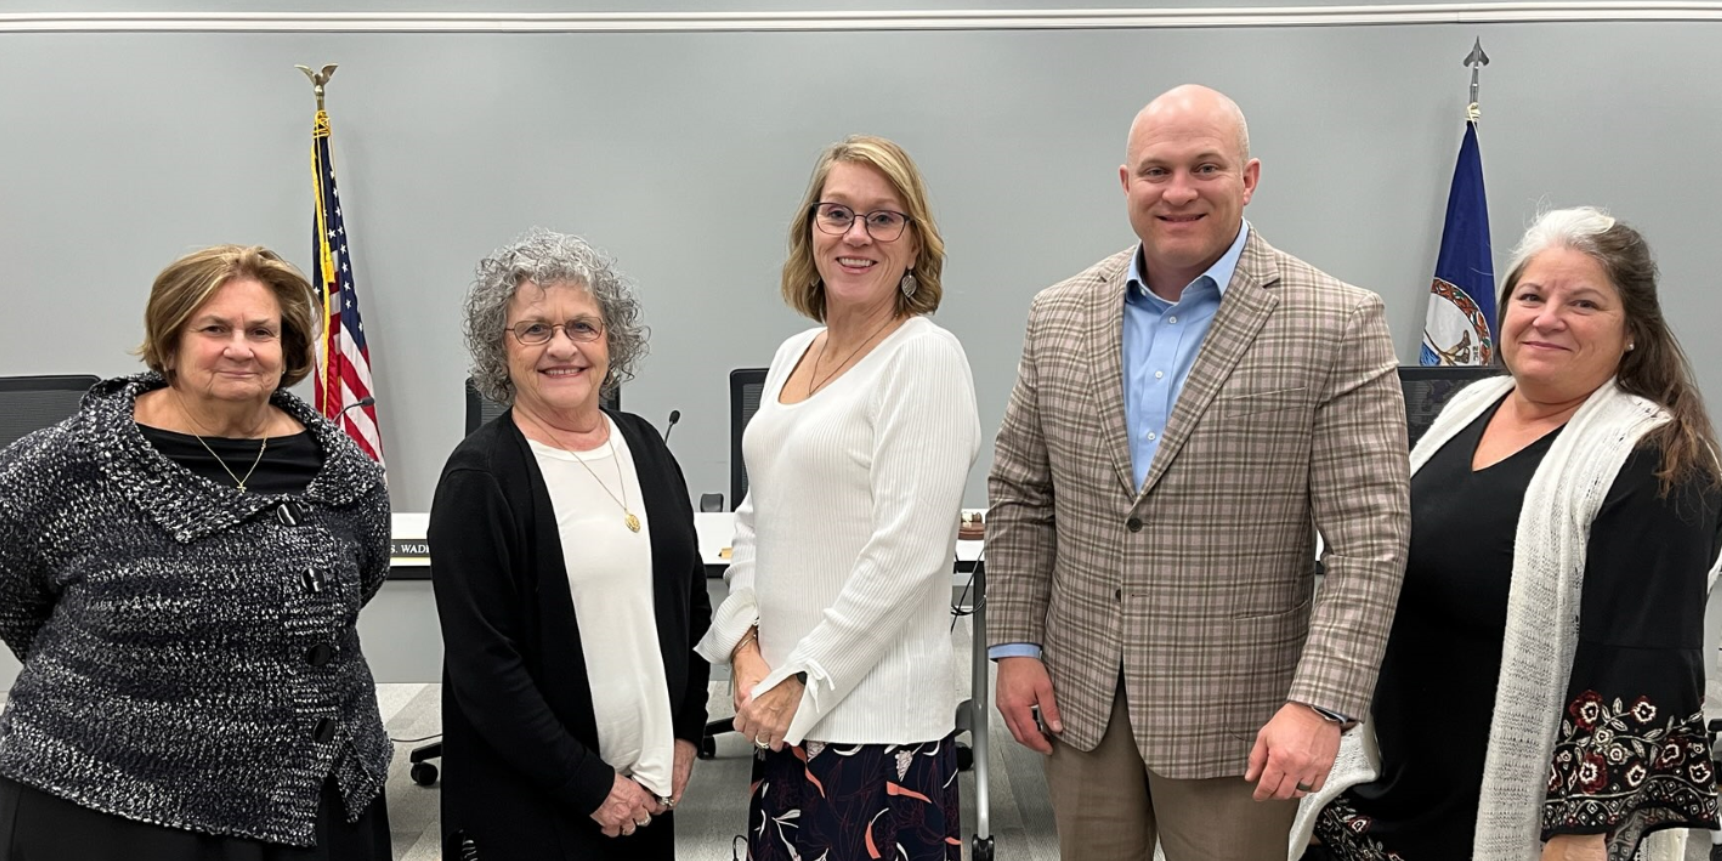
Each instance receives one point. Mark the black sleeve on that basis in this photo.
(26, 596)
(690, 719)
(1632, 756)
(479, 604)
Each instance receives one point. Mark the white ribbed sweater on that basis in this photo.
(843, 546)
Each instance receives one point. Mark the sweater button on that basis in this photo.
(312, 580)
(319, 655)
(1134, 524)
(287, 515)
(325, 731)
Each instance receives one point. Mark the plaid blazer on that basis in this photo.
(1198, 586)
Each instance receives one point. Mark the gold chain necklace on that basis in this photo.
(236, 479)
(628, 517)
(817, 385)
(224, 468)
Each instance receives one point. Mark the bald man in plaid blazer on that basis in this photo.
(1176, 437)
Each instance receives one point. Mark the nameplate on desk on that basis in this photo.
(409, 550)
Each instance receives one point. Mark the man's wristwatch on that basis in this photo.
(1329, 716)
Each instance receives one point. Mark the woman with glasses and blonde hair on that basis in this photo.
(182, 563)
(568, 579)
(837, 623)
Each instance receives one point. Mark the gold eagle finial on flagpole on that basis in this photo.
(318, 80)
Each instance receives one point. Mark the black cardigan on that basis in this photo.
(521, 772)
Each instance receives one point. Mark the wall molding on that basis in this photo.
(988, 19)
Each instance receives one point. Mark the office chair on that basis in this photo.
(746, 386)
(1427, 389)
(479, 410)
(32, 403)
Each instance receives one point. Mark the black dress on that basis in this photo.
(37, 825)
(1631, 753)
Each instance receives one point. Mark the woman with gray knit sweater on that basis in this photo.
(1542, 689)
(181, 566)
(837, 622)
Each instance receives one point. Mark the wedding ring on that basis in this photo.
(1304, 787)
(761, 743)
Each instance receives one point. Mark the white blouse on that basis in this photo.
(610, 578)
(843, 547)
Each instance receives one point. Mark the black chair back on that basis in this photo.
(1428, 387)
(33, 403)
(746, 386)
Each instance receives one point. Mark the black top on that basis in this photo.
(521, 769)
(287, 465)
(1640, 647)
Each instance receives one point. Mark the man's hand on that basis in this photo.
(1576, 847)
(1024, 684)
(765, 719)
(686, 752)
(629, 806)
(1296, 747)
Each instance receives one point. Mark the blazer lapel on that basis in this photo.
(1106, 359)
(1248, 301)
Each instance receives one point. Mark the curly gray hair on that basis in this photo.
(545, 257)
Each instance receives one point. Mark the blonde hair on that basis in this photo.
(188, 282)
(802, 288)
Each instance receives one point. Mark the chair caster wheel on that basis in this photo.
(423, 773)
(708, 748)
(965, 757)
(983, 849)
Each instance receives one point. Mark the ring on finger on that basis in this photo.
(644, 822)
(1304, 787)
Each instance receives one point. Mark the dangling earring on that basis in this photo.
(908, 285)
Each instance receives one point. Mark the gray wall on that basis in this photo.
(683, 154)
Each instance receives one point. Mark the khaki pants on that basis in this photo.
(1110, 807)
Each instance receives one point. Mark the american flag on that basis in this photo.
(343, 363)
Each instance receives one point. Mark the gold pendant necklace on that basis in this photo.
(236, 479)
(817, 385)
(224, 468)
(628, 517)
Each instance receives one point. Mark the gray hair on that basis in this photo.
(547, 258)
(1578, 228)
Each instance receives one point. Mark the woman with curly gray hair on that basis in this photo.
(568, 579)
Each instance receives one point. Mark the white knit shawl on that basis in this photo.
(1542, 621)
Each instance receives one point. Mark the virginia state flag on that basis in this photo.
(1459, 329)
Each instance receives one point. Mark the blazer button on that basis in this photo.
(1134, 524)
(325, 731)
(320, 654)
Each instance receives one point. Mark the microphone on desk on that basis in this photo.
(366, 401)
(675, 416)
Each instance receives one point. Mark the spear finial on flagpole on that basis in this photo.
(1476, 60)
(319, 79)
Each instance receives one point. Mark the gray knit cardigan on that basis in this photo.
(190, 656)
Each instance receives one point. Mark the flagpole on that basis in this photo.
(328, 376)
(1476, 60)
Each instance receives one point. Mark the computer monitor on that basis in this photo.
(480, 409)
(746, 386)
(32, 403)
(1427, 389)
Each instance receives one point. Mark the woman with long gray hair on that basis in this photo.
(568, 579)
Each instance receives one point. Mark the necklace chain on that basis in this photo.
(629, 519)
(817, 383)
(224, 467)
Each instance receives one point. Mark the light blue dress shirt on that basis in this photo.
(1161, 340)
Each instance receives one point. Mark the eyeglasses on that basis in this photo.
(883, 225)
(535, 332)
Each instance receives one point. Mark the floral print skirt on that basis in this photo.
(838, 802)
